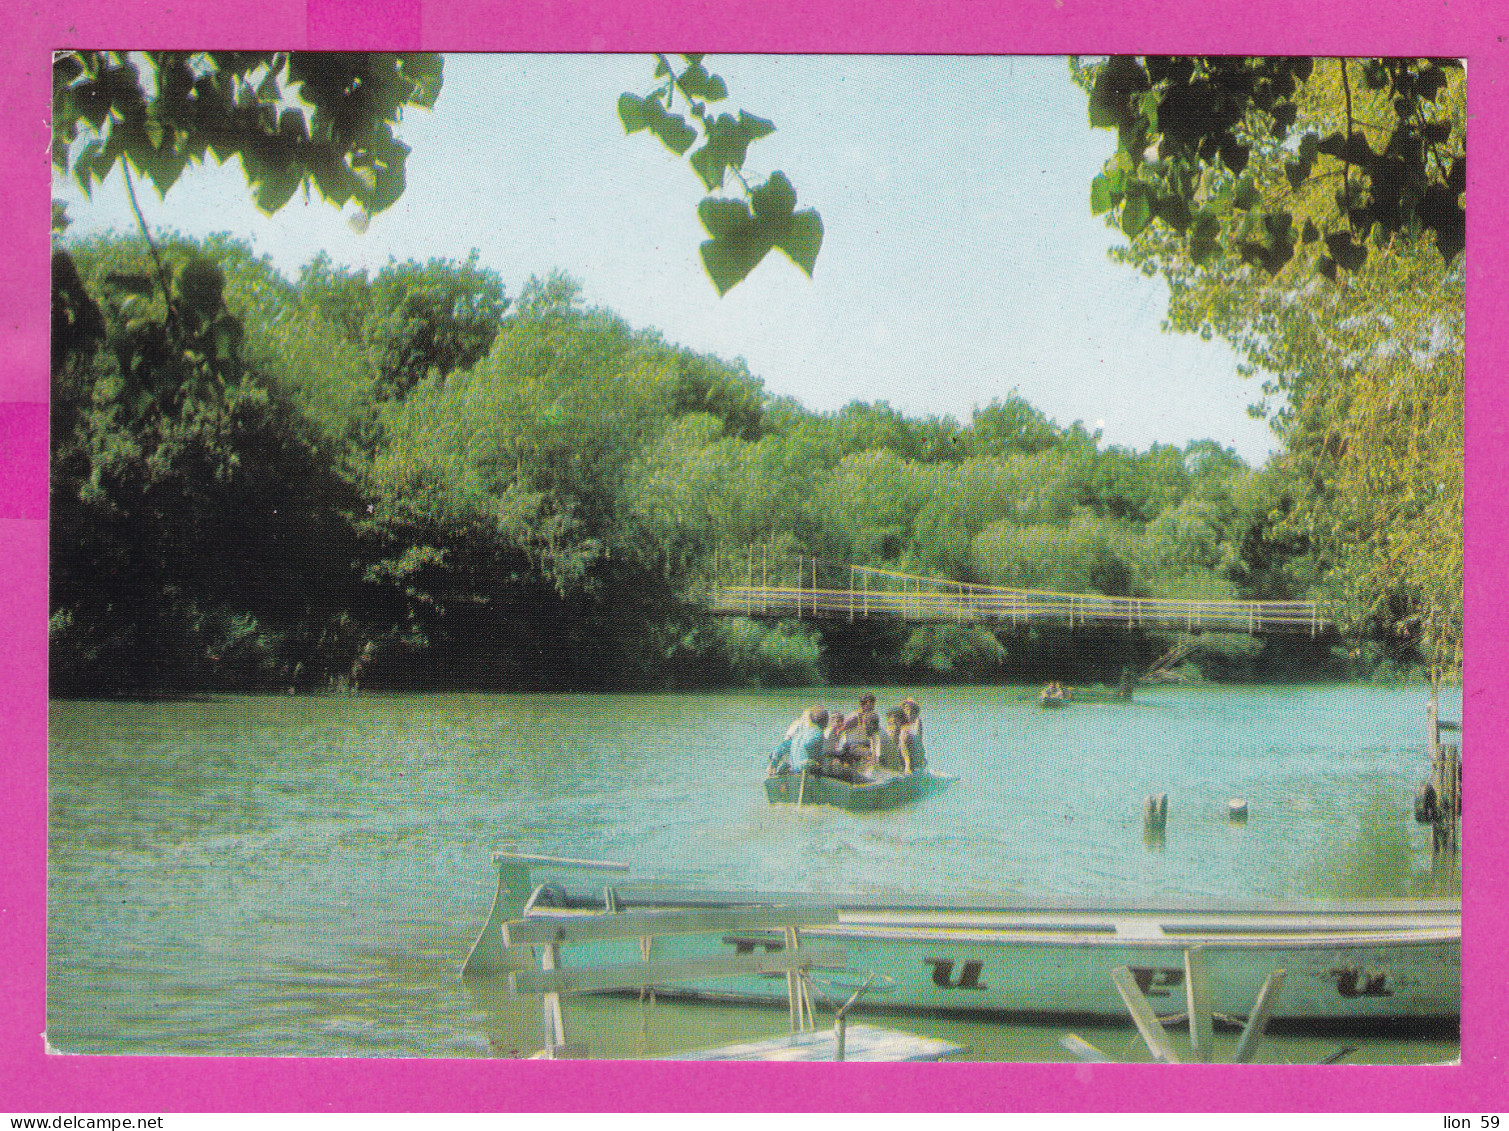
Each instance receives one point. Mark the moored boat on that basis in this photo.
(1358, 965)
(876, 789)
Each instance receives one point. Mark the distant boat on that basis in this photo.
(1054, 697)
(880, 789)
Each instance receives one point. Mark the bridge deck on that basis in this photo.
(958, 603)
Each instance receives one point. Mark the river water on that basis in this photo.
(304, 876)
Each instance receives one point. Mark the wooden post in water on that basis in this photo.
(1446, 777)
(1445, 780)
(1154, 819)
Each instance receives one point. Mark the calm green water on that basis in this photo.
(304, 876)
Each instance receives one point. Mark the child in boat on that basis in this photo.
(869, 747)
(833, 739)
(803, 743)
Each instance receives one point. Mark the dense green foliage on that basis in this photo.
(1263, 157)
(408, 480)
(1362, 369)
(294, 118)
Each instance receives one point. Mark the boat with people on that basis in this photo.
(1386, 965)
(1055, 695)
(853, 761)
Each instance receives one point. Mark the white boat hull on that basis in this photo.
(1389, 963)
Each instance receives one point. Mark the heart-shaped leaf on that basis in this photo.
(802, 239)
(721, 216)
(775, 199)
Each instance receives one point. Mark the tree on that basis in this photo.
(1362, 367)
(294, 118)
(324, 120)
(418, 318)
(1011, 426)
(198, 530)
(1207, 147)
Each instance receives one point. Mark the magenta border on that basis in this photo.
(33, 1082)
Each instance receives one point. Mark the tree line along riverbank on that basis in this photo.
(411, 480)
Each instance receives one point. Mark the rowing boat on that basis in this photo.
(1391, 965)
(878, 789)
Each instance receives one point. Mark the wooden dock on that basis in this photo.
(810, 588)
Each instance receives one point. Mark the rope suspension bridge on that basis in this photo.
(762, 584)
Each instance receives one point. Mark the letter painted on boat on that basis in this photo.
(1361, 983)
(969, 976)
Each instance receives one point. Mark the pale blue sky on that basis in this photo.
(960, 259)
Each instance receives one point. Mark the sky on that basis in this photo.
(960, 261)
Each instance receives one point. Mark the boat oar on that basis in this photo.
(1143, 1016)
(841, 1019)
(1258, 1021)
(1200, 1016)
(1197, 994)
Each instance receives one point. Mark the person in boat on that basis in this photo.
(888, 754)
(853, 751)
(869, 747)
(910, 738)
(802, 747)
(833, 739)
(835, 733)
(860, 720)
(856, 731)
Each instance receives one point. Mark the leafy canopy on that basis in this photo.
(1278, 159)
(438, 316)
(294, 118)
